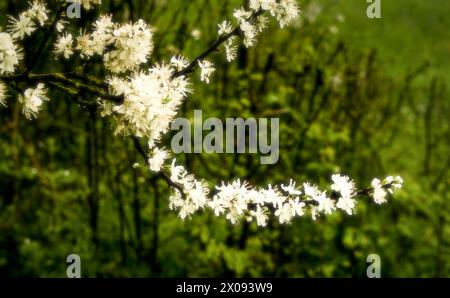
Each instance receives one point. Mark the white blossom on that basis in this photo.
(272, 195)
(63, 46)
(38, 12)
(224, 28)
(84, 44)
(379, 193)
(326, 204)
(249, 33)
(284, 213)
(394, 182)
(10, 55)
(230, 50)
(286, 12)
(260, 214)
(207, 68)
(21, 27)
(194, 196)
(291, 188)
(32, 100)
(157, 160)
(61, 25)
(261, 23)
(179, 62)
(343, 185)
(3, 94)
(346, 188)
(102, 35)
(124, 46)
(297, 207)
(310, 190)
(132, 46)
(241, 14)
(151, 102)
(236, 200)
(268, 5)
(347, 204)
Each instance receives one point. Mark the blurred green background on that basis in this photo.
(364, 97)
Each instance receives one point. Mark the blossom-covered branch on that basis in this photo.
(143, 102)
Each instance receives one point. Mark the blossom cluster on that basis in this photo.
(29, 20)
(239, 201)
(151, 101)
(32, 100)
(123, 46)
(250, 23)
(10, 54)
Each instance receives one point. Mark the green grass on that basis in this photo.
(409, 32)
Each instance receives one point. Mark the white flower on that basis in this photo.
(85, 45)
(179, 62)
(255, 4)
(291, 188)
(273, 196)
(132, 46)
(396, 182)
(102, 35)
(297, 207)
(344, 185)
(249, 33)
(230, 50)
(151, 102)
(286, 12)
(326, 204)
(60, 25)
(261, 23)
(225, 28)
(21, 27)
(103, 26)
(63, 45)
(268, 5)
(32, 100)
(38, 12)
(207, 68)
(346, 204)
(3, 94)
(195, 192)
(284, 213)
(157, 160)
(260, 215)
(9, 54)
(241, 14)
(379, 193)
(310, 190)
(216, 204)
(233, 199)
